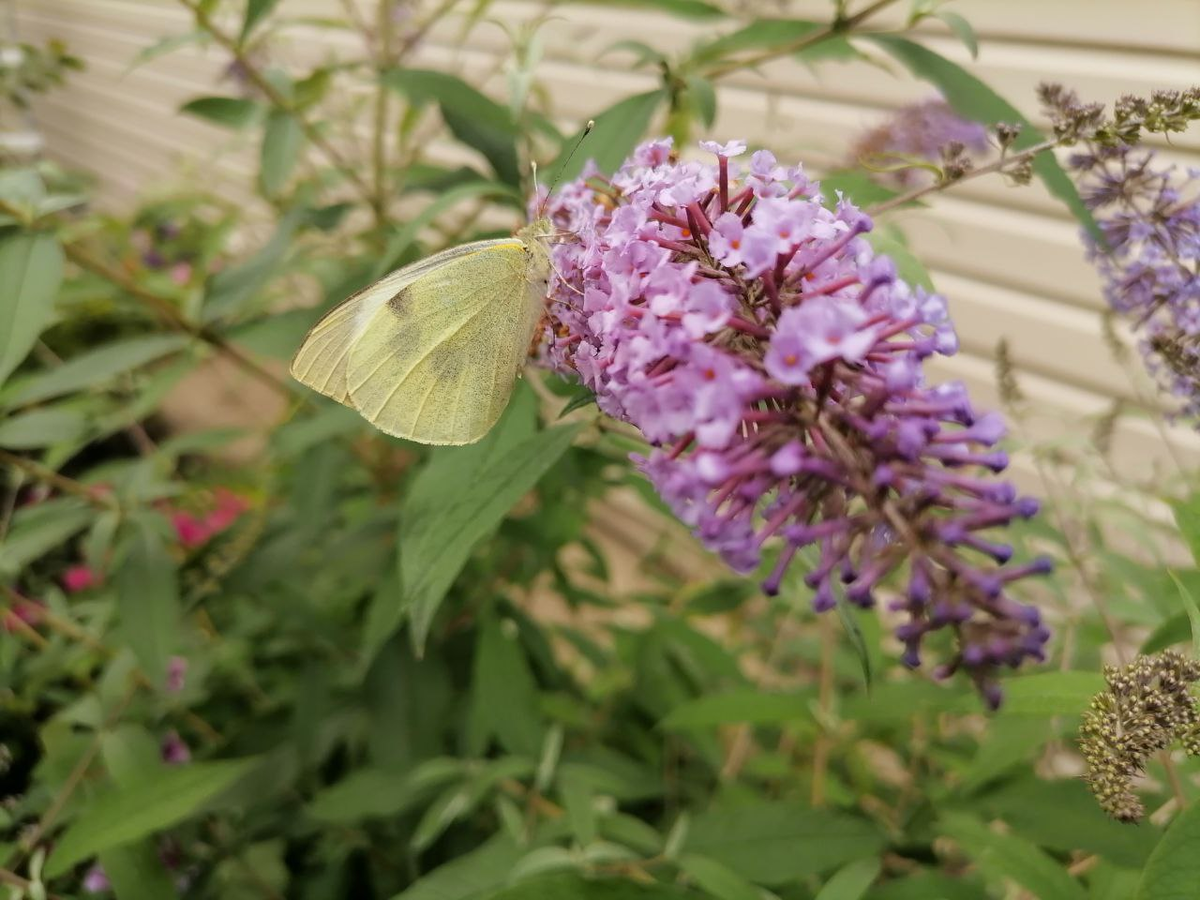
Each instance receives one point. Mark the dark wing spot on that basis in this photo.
(399, 303)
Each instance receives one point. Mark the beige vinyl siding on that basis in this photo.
(1009, 260)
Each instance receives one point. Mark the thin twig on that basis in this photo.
(15, 880)
(999, 165)
(383, 93)
(839, 26)
(41, 473)
(163, 307)
(72, 631)
(278, 100)
(166, 311)
(74, 779)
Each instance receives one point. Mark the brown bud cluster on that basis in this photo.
(1163, 112)
(1148, 706)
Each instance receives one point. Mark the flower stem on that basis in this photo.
(67, 485)
(840, 26)
(998, 166)
(386, 27)
(316, 138)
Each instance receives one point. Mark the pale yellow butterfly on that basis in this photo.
(431, 352)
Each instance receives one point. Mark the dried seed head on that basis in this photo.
(1148, 706)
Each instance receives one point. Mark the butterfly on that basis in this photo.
(431, 352)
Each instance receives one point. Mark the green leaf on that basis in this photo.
(31, 270)
(1193, 611)
(137, 873)
(573, 886)
(1062, 815)
(42, 428)
(583, 397)
(852, 881)
(775, 842)
(717, 879)
(157, 801)
(889, 241)
(236, 113)
(91, 369)
(962, 28)
(256, 10)
(471, 875)
(684, 9)
(166, 45)
(504, 695)
(973, 99)
(1002, 856)
(473, 118)
(854, 631)
(405, 237)
(704, 99)
(1173, 870)
(617, 131)
(1010, 740)
(38, 529)
(377, 793)
(857, 186)
(576, 796)
(762, 34)
(742, 705)
(1051, 693)
(1187, 517)
(437, 538)
(233, 288)
(1174, 630)
(148, 601)
(281, 145)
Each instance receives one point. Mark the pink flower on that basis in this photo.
(775, 364)
(815, 332)
(191, 531)
(96, 880)
(229, 508)
(181, 273)
(177, 668)
(21, 615)
(174, 750)
(80, 578)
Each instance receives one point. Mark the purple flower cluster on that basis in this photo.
(1149, 214)
(922, 131)
(774, 361)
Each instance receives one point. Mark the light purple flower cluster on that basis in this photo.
(923, 131)
(775, 363)
(1149, 214)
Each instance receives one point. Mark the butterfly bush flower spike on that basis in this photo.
(775, 363)
(1148, 214)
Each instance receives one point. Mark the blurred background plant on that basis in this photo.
(293, 657)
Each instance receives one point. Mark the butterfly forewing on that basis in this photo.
(431, 352)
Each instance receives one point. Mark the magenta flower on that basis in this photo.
(96, 880)
(775, 364)
(190, 530)
(80, 578)
(21, 615)
(174, 750)
(177, 668)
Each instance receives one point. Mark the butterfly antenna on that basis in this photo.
(587, 129)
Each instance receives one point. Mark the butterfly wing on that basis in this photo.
(430, 353)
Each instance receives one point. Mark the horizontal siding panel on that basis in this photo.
(1010, 260)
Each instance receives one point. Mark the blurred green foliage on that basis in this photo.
(347, 666)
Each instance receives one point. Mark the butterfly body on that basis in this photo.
(431, 352)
